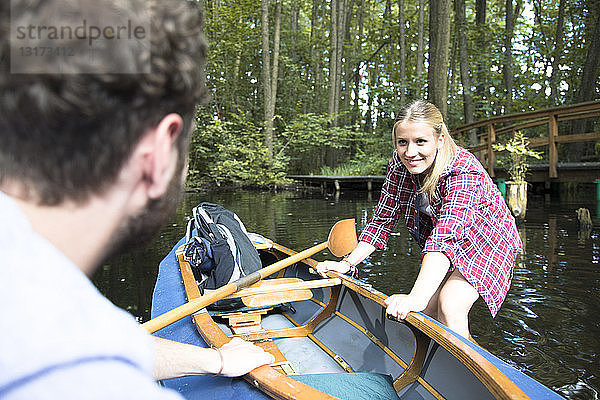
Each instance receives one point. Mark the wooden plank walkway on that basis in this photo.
(364, 182)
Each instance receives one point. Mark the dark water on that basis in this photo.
(548, 327)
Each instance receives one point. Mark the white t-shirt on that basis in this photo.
(59, 337)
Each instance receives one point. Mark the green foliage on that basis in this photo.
(362, 164)
(518, 154)
(232, 152)
(309, 140)
(228, 148)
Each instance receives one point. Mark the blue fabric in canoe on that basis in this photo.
(352, 386)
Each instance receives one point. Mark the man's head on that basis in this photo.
(66, 136)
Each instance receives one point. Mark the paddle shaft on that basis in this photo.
(201, 302)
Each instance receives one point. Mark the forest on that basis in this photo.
(312, 86)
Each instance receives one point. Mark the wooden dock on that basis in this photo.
(338, 182)
(498, 130)
(584, 172)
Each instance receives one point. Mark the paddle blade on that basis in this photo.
(342, 237)
(270, 293)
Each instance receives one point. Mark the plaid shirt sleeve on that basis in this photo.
(392, 203)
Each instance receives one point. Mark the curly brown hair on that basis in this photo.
(66, 136)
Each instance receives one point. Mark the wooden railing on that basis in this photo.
(509, 124)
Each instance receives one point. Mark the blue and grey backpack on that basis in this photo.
(218, 249)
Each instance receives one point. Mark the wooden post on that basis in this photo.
(490, 152)
(516, 194)
(597, 181)
(552, 151)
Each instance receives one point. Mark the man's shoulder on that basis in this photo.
(61, 333)
(55, 318)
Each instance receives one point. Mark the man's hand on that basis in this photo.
(241, 357)
(238, 357)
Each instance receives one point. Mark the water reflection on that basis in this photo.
(549, 325)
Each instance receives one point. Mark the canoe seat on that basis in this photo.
(352, 386)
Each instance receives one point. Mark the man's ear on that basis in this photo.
(160, 154)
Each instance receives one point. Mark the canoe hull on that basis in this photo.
(342, 329)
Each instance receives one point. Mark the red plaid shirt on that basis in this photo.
(471, 223)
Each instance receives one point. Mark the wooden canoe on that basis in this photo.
(337, 344)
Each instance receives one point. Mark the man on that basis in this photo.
(93, 142)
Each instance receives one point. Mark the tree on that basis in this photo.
(507, 74)
(465, 73)
(589, 76)
(269, 75)
(480, 63)
(557, 53)
(402, 50)
(420, 49)
(336, 42)
(589, 81)
(439, 43)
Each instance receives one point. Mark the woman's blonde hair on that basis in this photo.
(423, 112)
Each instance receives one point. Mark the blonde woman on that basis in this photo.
(455, 213)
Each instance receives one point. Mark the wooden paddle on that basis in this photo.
(341, 241)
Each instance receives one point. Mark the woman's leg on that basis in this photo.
(432, 306)
(456, 297)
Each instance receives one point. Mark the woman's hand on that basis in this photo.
(323, 267)
(399, 305)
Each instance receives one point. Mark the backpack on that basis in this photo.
(220, 252)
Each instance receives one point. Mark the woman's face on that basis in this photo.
(417, 145)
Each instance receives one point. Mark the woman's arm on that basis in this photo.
(360, 252)
(434, 268)
(238, 357)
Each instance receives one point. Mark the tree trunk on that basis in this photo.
(269, 75)
(341, 26)
(558, 49)
(587, 87)
(439, 43)
(294, 31)
(420, 51)
(333, 42)
(336, 40)
(465, 73)
(275, 70)
(347, 64)
(480, 17)
(266, 75)
(402, 51)
(516, 198)
(315, 55)
(589, 77)
(356, 108)
(507, 73)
